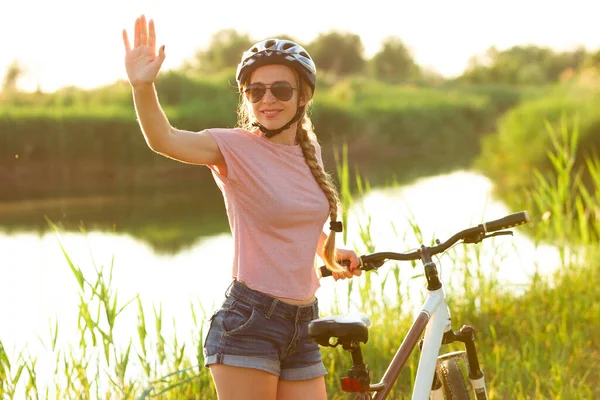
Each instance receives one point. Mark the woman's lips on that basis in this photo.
(271, 113)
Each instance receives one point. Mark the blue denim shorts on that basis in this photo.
(255, 330)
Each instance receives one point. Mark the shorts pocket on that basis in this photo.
(210, 326)
(238, 317)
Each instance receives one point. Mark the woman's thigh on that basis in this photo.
(313, 389)
(234, 383)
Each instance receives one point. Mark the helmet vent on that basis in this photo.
(303, 54)
(270, 43)
(287, 45)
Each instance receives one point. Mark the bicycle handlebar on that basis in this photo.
(471, 235)
(510, 221)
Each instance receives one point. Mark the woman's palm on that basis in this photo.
(141, 62)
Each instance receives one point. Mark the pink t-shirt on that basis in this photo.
(276, 212)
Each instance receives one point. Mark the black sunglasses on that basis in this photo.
(281, 90)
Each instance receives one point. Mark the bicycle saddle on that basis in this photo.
(346, 328)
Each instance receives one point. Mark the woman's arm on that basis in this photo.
(142, 64)
(184, 146)
(322, 239)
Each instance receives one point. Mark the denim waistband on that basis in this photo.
(272, 305)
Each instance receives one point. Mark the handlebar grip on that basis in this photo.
(509, 221)
(326, 272)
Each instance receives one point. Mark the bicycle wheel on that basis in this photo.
(453, 380)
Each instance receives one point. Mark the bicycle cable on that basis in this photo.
(439, 256)
(414, 261)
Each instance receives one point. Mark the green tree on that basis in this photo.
(11, 77)
(562, 61)
(224, 51)
(522, 65)
(509, 65)
(394, 62)
(338, 53)
(430, 76)
(592, 60)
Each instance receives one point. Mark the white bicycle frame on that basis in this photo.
(435, 310)
(434, 319)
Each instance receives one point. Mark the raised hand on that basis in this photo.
(141, 62)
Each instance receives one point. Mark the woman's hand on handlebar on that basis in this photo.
(141, 61)
(344, 257)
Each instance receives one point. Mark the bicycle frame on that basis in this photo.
(434, 319)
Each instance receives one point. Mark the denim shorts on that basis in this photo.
(255, 330)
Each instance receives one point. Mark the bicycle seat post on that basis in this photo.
(358, 379)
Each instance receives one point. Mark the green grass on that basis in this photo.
(541, 343)
(521, 141)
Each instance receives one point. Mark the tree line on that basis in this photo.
(340, 54)
(335, 53)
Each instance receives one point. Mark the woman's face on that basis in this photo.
(271, 112)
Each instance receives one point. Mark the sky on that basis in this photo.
(78, 42)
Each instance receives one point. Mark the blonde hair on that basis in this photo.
(305, 137)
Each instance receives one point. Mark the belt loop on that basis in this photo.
(271, 309)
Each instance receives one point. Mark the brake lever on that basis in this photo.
(372, 265)
(499, 233)
(477, 238)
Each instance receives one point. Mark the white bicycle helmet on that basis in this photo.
(277, 51)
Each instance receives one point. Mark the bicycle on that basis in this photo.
(438, 376)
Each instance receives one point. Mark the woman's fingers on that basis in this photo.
(355, 265)
(143, 31)
(144, 34)
(136, 37)
(161, 56)
(151, 35)
(343, 275)
(354, 261)
(126, 41)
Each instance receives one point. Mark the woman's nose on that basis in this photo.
(268, 97)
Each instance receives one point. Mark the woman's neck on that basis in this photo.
(287, 137)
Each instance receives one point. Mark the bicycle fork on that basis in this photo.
(466, 335)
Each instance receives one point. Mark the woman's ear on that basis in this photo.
(301, 101)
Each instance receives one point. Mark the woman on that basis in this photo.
(278, 198)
